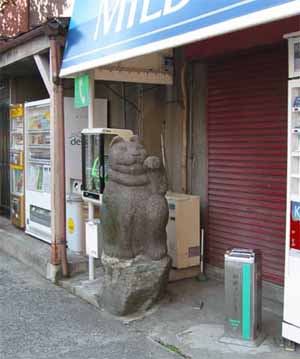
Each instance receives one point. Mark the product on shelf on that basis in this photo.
(40, 122)
(16, 165)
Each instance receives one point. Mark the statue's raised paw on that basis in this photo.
(152, 163)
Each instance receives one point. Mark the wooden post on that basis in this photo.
(184, 133)
(58, 191)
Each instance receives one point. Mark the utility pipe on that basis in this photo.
(191, 128)
(124, 105)
(58, 191)
(202, 252)
(91, 124)
(184, 125)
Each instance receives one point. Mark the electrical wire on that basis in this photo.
(123, 97)
(151, 88)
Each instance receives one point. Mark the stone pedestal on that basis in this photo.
(132, 286)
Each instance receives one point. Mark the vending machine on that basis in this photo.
(38, 169)
(291, 317)
(17, 165)
(38, 166)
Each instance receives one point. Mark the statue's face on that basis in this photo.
(127, 153)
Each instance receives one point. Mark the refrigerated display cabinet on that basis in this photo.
(38, 169)
(17, 165)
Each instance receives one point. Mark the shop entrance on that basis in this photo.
(247, 158)
(4, 160)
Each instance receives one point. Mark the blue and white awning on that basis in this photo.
(102, 32)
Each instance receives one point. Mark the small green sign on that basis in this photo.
(82, 93)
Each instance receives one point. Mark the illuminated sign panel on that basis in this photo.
(102, 32)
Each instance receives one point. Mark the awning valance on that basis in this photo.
(102, 32)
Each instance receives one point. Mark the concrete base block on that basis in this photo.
(53, 273)
(245, 343)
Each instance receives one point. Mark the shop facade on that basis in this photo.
(212, 100)
(222, 120)
(242, 125)
(238, 162)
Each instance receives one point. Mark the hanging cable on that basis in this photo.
(122, 97)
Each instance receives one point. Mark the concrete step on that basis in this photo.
(81, 286)
(33, 252)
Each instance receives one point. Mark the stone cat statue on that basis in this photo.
(134, 211)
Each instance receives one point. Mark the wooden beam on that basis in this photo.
(132, 75)
(28, 49)
(44, 69)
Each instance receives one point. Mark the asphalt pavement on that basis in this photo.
(40, 320)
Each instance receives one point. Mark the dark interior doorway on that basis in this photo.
(4, 161)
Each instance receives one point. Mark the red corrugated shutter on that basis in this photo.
(247, 140)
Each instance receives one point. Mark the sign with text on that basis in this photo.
(295, 226)
(102, 32)
(296, 211)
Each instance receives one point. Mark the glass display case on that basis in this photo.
(38, 136)
(294, 160)
(294, 56)
(17, 127)
(17, 165)
(39, 178)
(95, 146)
(291, 324)
(38, 169)
(17, 182)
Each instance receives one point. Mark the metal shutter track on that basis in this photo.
(247, 140)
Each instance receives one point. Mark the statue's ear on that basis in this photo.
(116, 140)
(135, 139)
